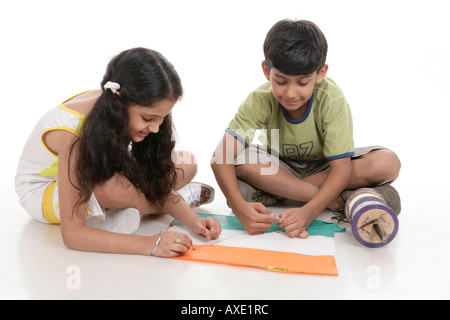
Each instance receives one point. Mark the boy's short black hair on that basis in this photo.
(295, 47)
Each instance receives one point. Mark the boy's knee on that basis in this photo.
(392, 163)
(244, 171)
(241, 171)
(247, 171)
(388, 165)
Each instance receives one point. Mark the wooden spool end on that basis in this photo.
(374, 224)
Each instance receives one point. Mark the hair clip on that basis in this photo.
(113, 86)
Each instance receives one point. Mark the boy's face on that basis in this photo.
(293, 92)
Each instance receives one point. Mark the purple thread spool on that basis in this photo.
(373, 223)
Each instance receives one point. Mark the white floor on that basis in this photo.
(389, 57)
(35, 264)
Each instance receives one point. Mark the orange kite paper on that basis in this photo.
(272, 251)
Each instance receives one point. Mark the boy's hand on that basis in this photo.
(255, 217)
(295, 221)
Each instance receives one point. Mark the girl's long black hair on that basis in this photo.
(145, 77)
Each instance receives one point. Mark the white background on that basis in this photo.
(391, 58)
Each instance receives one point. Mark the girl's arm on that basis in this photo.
(77, 235)
(178, 209)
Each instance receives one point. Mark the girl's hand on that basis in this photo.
(172, 244)
(208, 227)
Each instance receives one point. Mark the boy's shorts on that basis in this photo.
(301, 169)
(42, 203)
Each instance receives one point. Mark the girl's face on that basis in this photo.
(146, 120)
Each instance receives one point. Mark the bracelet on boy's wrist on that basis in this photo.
(157, 243)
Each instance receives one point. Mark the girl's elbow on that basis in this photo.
(70, 238)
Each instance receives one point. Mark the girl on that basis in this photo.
(104, 151)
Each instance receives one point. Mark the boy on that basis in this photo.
(307, 128)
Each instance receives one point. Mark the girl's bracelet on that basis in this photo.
(157, 243)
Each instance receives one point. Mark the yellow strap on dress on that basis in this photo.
(47, 204)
